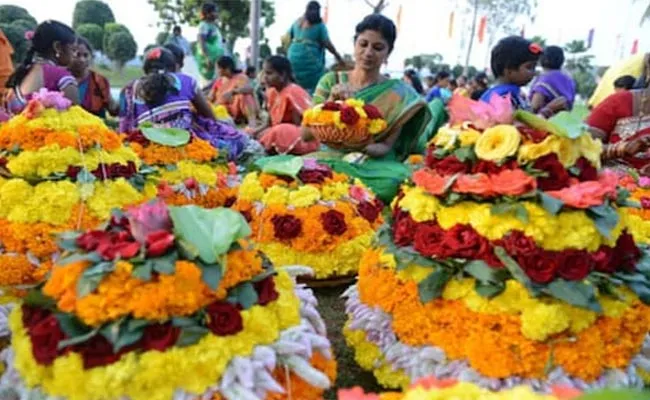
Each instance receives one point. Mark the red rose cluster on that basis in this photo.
(110, 244)
(137, 137)
(45, 332)
(349, 115)
(106, 171)
(541, 266)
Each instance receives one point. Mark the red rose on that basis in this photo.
(575, 265)
(372, 112)
(557, 176)
(626, 253)
(645, 202)
(286, 227)
(602, 260)
(249, 217)
(314, 175)
(164, 190)
(191, 183)
(97, 352)
(428, 240)
(349, 115)
(449, 166)
(266, 291)
(33, 315)
(334, 222)
(224, 318)
(137, 137)
(160, 336)
(121, 222)
(72, 171)
(3, 162)
(230, 201)
(517, 244)
(536, 136)
(491, 168)
(404, 229)
(331, 106)
(45, 336)
(463, 241)
(159, 242)
(90, 240)
(540, 266)
(119, 245)
(587, 171)
(368, 210)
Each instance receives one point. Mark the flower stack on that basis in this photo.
(638, 215)
(167, 303)
(345, 123)
(61, 168)
(302, 212)
(507, 263)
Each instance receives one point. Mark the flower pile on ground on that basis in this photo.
(302, 212)
(61, 168)
(506, 276)
(167, 303)
(638, 216)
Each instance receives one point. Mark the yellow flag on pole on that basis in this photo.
(398, 19)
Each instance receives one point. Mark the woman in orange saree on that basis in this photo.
(234, 91)
(286, 103)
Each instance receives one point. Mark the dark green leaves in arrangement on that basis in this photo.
(432, 286)
(576, 293)
(244, 294)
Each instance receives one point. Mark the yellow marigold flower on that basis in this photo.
(542, 321)
(497, 143)
(203, 173)
(250, 189)
(305, 196)
(221, 112)
(335, 191)
(421, 206)
(590, 149)
(446, 138)
(377, 126)
(276, 195)
(468, 137)
(112, 194)
(355, 103)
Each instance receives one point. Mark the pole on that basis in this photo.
(471, 38)
(255, 17)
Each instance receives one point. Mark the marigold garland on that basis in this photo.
(479, 337)
(197, 150)
(156, 375)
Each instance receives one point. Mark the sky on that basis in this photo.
(424, 25)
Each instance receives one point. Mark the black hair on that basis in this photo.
(46, 34)
(251, 70)
(176, 28)
(440, 76)
(381, 24)
(625, 82)
(510, 53)
(482, 79)
(281, 65)
(177, 52)
(453, 83)
(158, 81)
(208, 8)
(415, 80)
(82, 40)
(312, 13)
(553, 57)
(227, 62)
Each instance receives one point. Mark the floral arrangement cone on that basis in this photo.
(510, 259)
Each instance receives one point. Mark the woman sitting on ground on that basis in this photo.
(380, 164)
(44, 66)
(286, 103)
(233, 90)
(167, 98)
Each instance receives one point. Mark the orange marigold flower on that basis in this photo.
(15, 270)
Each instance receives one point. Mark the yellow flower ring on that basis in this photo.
(324, 226)
(197, 370)
(489, 341)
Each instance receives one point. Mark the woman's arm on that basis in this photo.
(202, 106)
(537, 102)
(72, 93)
(380, 149)
(330, 47)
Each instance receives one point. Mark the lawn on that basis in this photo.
(119, 79)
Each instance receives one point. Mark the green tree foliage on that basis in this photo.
(539, 40)
(92, 12)
(161, 38)
(16, 37)
(578, 63)
(233, 15)
(121, 48)
(111, 29)
(10, 14)
(94, 34)
(14, 22)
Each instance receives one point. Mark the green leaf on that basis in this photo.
(211, 274)
(569, 125)
(489, 290)
(615, 394)
(210, 232)
(165, 264)
(101, 268)
(143, 271)
(550, 203)
(183, 322)
(71, 325)
(76, 257)
(605, 218)
(87, 284)
(68, 241)
(263, 275)
(136, 324)
(172, 137)
(191, 335)
(518, 209)
(575, 293)
(512, 267)
(464, 154)
(127, 337)
(77, 339)
(36, 298)
(281, 165)
(484, 273)
(85, 177)
(244, 294)
(112, 331)
(432, 286)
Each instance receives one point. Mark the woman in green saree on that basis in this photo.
(209, 47)
(380, 164)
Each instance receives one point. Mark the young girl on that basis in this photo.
(168, 98)
(94, 89)
(286, 102)
(44, 66)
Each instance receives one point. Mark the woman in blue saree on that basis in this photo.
(380, 164)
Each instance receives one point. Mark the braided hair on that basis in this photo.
(159, 81)
(46, 35)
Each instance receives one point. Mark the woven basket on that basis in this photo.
(346, 136)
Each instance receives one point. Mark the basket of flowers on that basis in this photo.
(350, 122)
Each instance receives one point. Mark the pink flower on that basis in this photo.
(644, 182)
(148, 218)
(359, 194)
(356, 393)
(50, 99)
(590, 193)
(480, 114)
(29, 35)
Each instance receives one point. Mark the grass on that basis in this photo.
(119, 79)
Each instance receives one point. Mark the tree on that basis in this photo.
(121, 48)
(233, 15)
(539, 40)
(111, 29)
(377, 6)
(161, 38)
(579, 66)
(94, 34)
(431, 61)
(10, 14)
(92, 12)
